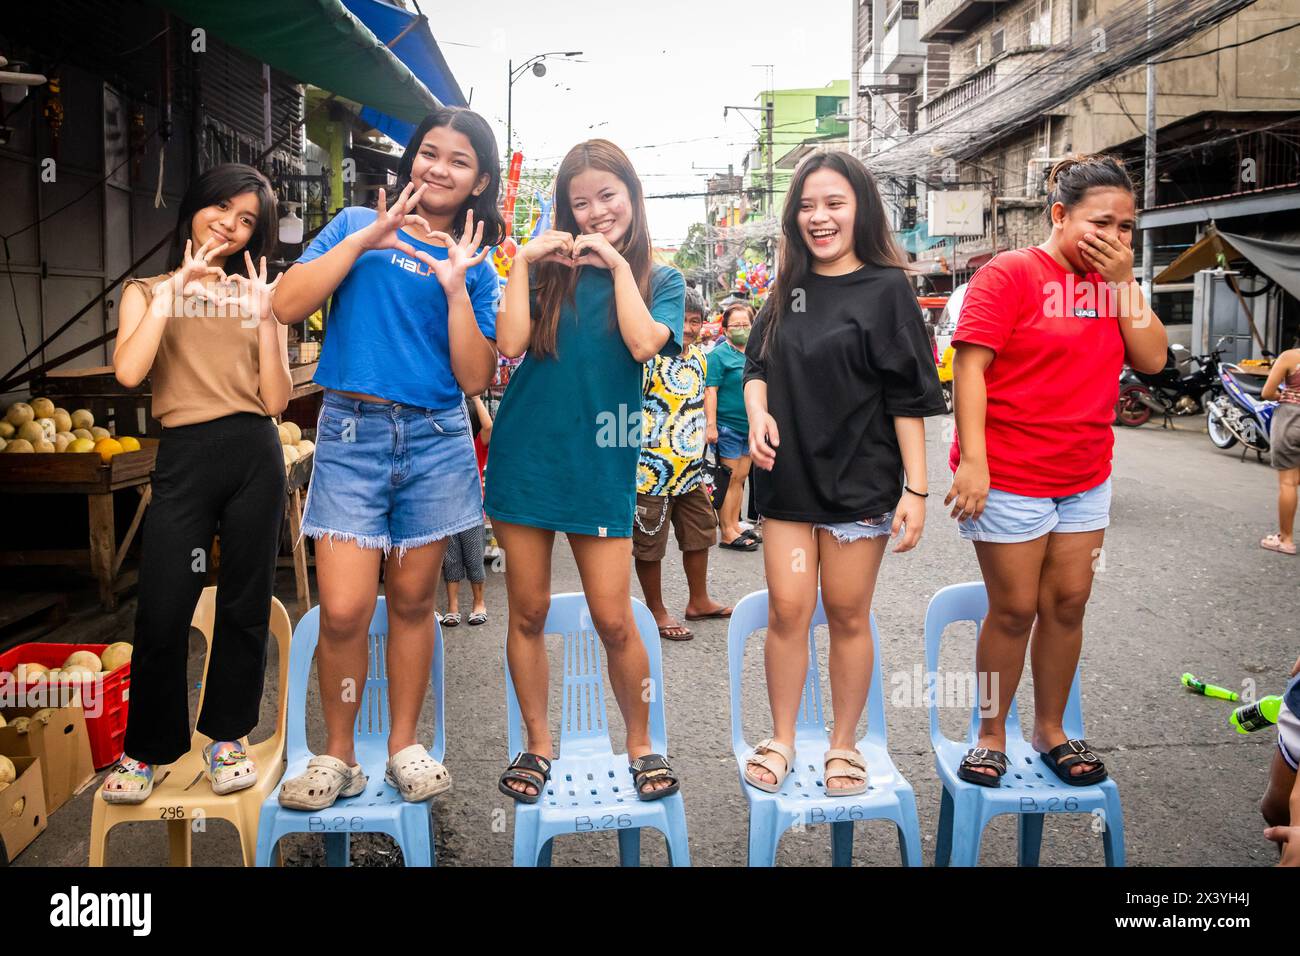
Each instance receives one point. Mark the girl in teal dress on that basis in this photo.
(590, 308)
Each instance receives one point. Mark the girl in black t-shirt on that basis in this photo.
(838, 379)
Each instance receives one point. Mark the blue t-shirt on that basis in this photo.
(567, 437)
(387, 333)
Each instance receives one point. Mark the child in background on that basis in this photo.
(1283, 386)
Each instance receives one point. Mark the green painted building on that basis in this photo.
(802, 120)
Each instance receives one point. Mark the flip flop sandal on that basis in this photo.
(752, 535)
(762, 757)
(477, 618)
(450, 620)
(531, 769)
(1070, 754)
(740, 543)
(995, 760)
(857, 770)
(130, 781)
(684, 632)
(1273, 542)
(229, 768)
(416, 775)
(325, 780)
(649, 768)
(720, 613)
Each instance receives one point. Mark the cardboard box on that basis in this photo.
(22, 809)
(62, 744)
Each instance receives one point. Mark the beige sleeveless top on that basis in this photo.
(206, 367)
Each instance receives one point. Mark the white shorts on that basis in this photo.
(1288, 737)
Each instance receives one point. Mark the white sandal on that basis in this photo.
(130, 781)
(234, 769)
(326, 779)
(764, 760)
(416, 775)
(857, 770)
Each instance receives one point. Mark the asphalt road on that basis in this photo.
(1185, 587)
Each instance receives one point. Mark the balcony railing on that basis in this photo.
(902, 50)
(949, 101)
(942, 21)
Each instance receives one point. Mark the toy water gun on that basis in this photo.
(1208, 690)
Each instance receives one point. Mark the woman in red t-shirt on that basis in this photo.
(1041, 339)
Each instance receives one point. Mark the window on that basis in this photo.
(1040, 26)
(979, 54)
(998, 42)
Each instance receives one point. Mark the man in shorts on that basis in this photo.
(670, 490)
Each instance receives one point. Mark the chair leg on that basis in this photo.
(909, 829)
(178, 843)
(525, 840)
(337, 849)
(1112, 837)
(98, 832)
(842, 843)
(679, 850)
(544, 857)
(1030, 828)
(943, 840)
(248, 840)
(629, 847)
(763, 835)
(967, 830)
(414, 834)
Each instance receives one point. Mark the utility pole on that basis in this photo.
(771, 178)
(1149, 174)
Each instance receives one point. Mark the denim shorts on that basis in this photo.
(846, 532)
(1009, 518)
(391, 476)
(732, 443)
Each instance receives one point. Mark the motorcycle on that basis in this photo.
(1168, 392)
(1238, 414)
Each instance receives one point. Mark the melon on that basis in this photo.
(42, 408)
(78, 445)
(74, 674)
(286, 437)
(32, 673)
(295, 432)
(128, 443)
(8, 772)
(7, 430)
(2, 444)
(305, 448)
(82, 418)
(62, 440)
(21, 724)
(290, 454)
(19, 445)
(19, 413)
(20, 804)
(115, 655)
(48, 427)
(62, 420)
(32, 432)
(107, 448)
(83, 433)
(87, 659)
(97, 433)
(43, 715)
(43, 447)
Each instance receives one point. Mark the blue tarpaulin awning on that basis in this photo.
(417, 49)
(918, 239)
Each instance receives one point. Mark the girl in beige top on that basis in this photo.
(218, 363)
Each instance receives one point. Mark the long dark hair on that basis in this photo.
(1071, 178)
(556, 283)
(222, 183)
(873, 239)
(479, 134)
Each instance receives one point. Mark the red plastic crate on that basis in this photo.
(108, 729)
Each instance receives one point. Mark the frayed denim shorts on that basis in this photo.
(391, 476)
(846, 532)
(1010, 518)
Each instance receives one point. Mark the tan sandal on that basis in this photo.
(325, 780)
(857, 770)
(763, 754)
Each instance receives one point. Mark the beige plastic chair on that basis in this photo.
(181, 793)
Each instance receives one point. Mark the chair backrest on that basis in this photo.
(204, 619)
(372, 724)
(583, 727)
(749, 617)
(969, 602)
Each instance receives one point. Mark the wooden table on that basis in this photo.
(84, 474)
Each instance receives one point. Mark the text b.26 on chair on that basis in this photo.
(802, 799)
(1029, 788)
(380, 807)
(591, 789)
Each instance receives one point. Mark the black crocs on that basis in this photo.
(531, 769)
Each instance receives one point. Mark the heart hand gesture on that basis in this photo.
(382, 233)
(461, 254)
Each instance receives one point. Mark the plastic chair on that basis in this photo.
(1029, 788)
(591, 789)
(380, 807)
(181, 794)
(802, 799)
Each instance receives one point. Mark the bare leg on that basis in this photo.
(696, 566)
(729, 516)
(1286, 503)
(453, 597)
(410, 587)
(480, 606)
(650, 575)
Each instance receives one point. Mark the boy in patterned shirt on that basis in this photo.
(669, 479)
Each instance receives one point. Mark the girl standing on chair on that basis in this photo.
(567, 439)
(219, 367)
(838, 381)
(1043, 335)
(411, 329)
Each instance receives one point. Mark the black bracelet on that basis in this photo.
(917, 493)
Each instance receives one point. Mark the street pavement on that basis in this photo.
(1183, 586)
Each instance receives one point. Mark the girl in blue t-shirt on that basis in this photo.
(412, 327)
(590, 308)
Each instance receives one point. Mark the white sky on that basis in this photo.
(654, 74)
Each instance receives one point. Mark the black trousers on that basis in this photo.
(224, 476)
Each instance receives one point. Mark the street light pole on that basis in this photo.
(512, 75)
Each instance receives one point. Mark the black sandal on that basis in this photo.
(1070, 754)
(995, 760)
(526, 768)
(651, 767)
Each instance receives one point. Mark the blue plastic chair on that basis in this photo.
(591, 789)
(1029, 788)
(380, 807)
(802, 799)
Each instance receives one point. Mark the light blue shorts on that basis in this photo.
(1010, 518)
(732, 443)
(846, 532)
(391, 476)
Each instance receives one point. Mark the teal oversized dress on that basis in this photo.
(567, 436)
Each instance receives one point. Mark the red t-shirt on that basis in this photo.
(1053, 383)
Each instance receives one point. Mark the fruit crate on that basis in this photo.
(107, 729)
(117, 408)
(79, 471)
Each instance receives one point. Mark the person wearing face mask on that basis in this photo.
(727, 424)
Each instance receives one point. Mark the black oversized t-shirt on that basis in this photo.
(838, 373)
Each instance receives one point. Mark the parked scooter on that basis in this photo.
(1238, 414)
(1168, 392)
